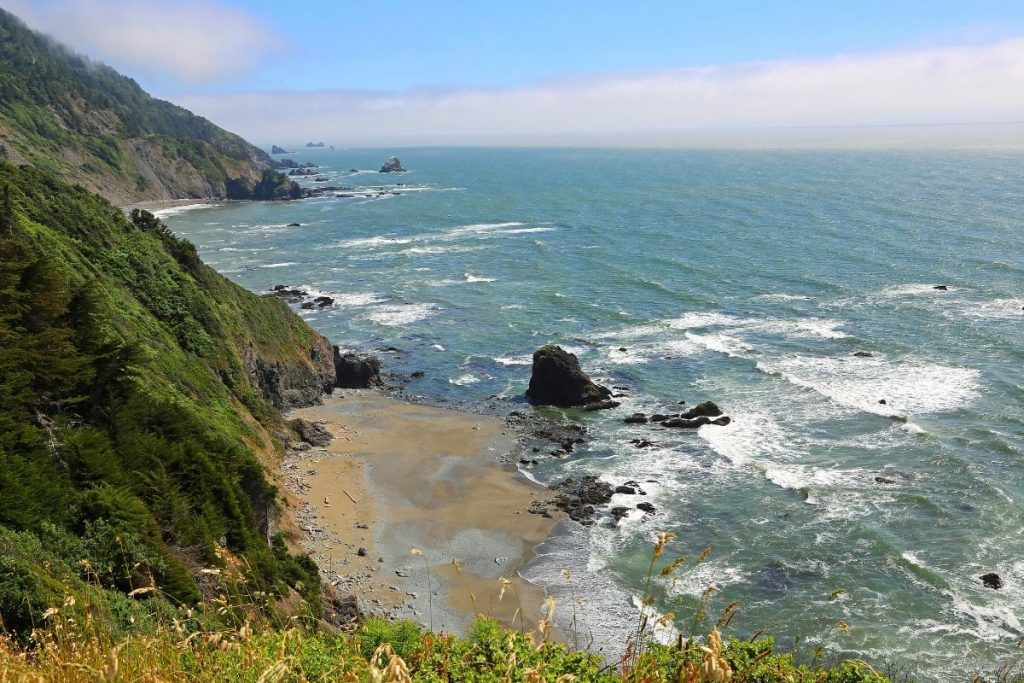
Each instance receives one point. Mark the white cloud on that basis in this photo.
(189, 41)
(924, 86)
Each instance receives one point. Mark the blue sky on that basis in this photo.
(403, 44)
(402, 68)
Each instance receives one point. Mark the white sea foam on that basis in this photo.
(464, 380)
(908, 388)
(370, 242)
(428, 251)
(396, 315)
(750, 435)
(514, 360)
(477, 278)
(803, 327)
(997, 309)
(913, 289)
(479, 228)
(721, 343)
(696, 319)
(283, 264)
(715, 572)
(781, 297)
(175, 210)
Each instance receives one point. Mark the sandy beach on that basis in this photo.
(399, 476)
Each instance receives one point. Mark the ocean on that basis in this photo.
(748, 278)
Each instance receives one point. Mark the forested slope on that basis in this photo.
(92, 126)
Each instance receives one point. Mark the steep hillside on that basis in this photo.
(137, 395)
(94, 127)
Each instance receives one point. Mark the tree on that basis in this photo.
(8, 221)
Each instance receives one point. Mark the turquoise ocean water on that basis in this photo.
(748, 278)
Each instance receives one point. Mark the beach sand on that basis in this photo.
(419, 477)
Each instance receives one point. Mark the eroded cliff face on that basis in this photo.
(294, 383)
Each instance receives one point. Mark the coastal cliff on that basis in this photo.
(93, 127)
(138, 406)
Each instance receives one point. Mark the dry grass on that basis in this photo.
(239, 641)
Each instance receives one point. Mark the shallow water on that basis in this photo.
(745, 277)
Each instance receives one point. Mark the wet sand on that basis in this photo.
(426, 478)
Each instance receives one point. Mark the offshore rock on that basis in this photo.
(557, 380)
(274, 149)
(685, 423)
(355, 372)
(992, 580)
(706, 409)
(392, 165)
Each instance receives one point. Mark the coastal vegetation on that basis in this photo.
(90, 125)
(134, 443)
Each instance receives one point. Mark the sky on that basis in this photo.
(454, 71)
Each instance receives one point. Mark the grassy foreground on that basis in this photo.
(387, 651)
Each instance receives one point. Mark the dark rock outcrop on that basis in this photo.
(647, 507)
(606, 404)
(685, 423)
(558, 380)
(310, 432)
(341, 610)
(992, 580)
(274, 149)
(355, 372)
(317, 144)
(636, 419)
(293, 384)
(863, 354)
(705, 409)
(578, 497)
(941, 288)
(392, 165)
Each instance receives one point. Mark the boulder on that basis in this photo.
(577, 497)
(295, 225)
(623, 488)
(607, 404)
(636, 419)
(684, 423)
(884, 480)
(646, 507)
(355, 372)
(557, 380)
(706, 409)
(392, 165)
(941, 288)
(618, 513)
(341, 610)
(323, 301)
(310, 432)
(722, 421)
(992, 580)
(863, 354)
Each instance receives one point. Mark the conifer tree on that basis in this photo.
(7, 219)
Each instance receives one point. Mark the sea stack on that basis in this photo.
(557, 380)
(355, 372)
(392, 165)
(274, 149)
